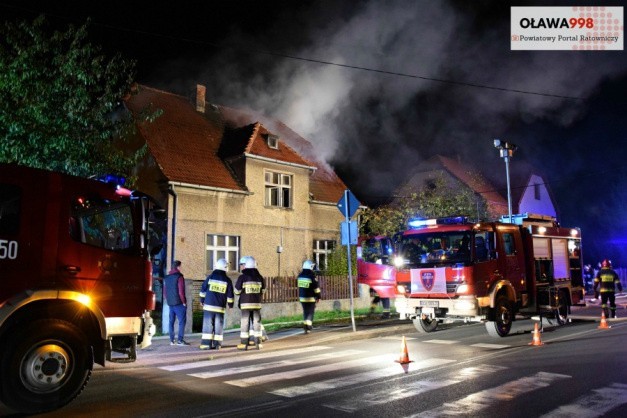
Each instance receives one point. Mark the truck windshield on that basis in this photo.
(102, 223)
(419, 250)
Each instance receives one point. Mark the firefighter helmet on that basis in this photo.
(250, 263)
(243, 259)
(309, 265)
(222, 264)
(606, 263)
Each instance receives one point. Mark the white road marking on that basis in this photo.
(295, 374)
(474, 403)
(229, 360)
(441, 341)
(355, 379)
(596, 404)
(275, 364)
(491, 346)
(411, 389)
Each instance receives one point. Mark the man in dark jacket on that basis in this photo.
(308, 294)
(249, 287)
(174, 295)
(216, 292)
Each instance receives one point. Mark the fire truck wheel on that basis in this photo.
(48, 366)
(425, 325)
(503, 317)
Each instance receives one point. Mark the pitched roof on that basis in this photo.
(474, 180)
(193, 147)
(253, 140)
(324, 184)
(182, 141)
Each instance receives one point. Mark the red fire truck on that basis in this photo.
(76, 282)
(450, 269)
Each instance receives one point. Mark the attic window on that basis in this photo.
(273, 141)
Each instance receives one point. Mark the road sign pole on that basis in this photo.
(348, 256)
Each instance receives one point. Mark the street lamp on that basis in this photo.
(506, 150)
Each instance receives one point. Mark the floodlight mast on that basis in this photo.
(506, 150)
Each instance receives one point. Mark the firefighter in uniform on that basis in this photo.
(216, 292)
(308, 294)
(606, 281)
(250, 287)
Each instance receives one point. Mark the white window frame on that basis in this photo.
(277, 186)
(222, 246)
(273, 141)
(323, 247)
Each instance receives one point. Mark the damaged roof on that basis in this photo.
(195, 147)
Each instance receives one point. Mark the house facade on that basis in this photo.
(233, 186)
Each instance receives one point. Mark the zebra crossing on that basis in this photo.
(279, 373)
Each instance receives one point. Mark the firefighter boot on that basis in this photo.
(217, 346)
(243, 345)
(258, 343)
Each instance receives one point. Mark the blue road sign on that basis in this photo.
(348, 204)
(348, 232)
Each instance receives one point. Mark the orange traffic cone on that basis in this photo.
(536, 336)
(404, 358)
(604, 324)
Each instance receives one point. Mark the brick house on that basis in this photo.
(234, 184)
(530, 193)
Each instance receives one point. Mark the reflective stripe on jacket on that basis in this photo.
(216, 292)
(308, 287)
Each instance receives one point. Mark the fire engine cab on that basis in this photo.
(76, 282)
(450, 269)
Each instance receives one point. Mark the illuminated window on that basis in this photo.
(222, 246)
(278, 189)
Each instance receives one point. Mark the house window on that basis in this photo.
(278, 189)
(222, 246)
(321, 251)
(536, 191)
(273, 141)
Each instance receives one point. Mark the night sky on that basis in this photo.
(565, 110)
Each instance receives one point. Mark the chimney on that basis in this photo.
(200, 98)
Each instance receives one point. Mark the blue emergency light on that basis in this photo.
(417, 223)
(112, 179)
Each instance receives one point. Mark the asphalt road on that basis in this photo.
(457, 370)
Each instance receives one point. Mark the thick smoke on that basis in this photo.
(384, 123)
(423, 100)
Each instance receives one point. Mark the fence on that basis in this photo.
(285, 289)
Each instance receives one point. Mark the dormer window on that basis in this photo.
(273, 141)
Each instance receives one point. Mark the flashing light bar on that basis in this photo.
(449, 220)
(112, 179)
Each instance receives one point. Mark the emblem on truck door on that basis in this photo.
(428, 279)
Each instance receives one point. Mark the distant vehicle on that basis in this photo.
(450, 269)
(76, 282)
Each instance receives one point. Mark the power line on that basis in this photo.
(316, 61)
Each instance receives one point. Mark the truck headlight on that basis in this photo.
(462, 288)
(399, 262)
